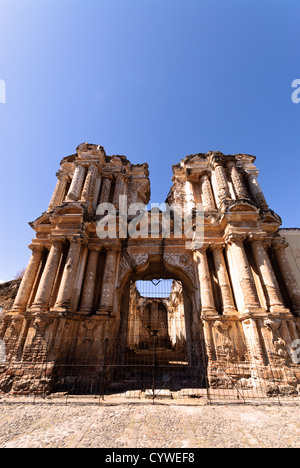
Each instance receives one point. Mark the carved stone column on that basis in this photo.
(206, 293)
(90, 182)
(207, 194)
(244, 274)
(223, 279)
(119, 189)
(109, 282)
(77, 183)
(105, 189)
(87, 300)
(288, 274)
(256, 192)
(223, 188)
(29, 278)
(237, 180)
(66, 290)
(59, 192)
(271, 288)
(43, 294)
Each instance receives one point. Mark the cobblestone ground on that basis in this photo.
(128, 425)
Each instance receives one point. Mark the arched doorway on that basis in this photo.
(159, 342)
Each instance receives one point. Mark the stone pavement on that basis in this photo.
(54, 424)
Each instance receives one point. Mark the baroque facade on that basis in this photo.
(234, 298)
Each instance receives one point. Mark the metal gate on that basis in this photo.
(153, 358)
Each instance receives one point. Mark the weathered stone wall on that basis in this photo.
(240, 300)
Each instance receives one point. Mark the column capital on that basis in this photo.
(277, 244)
(58, 239)
(256, 236)
(234, 237)
(204, 175)
(36, 247)
(202, 249)
(76, 239)
(217, 246)
(95, 247)
(113, 247)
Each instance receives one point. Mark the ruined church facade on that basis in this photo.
(79, 316)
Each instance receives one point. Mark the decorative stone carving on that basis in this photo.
(84, 310)
(77, 183)
(207, 194)
(182, 261)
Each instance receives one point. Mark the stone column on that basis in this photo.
(28, 279)
(119, 190)
(244, 274)
(223, 188)
(109, 282)
(59, 192)
(223, 280)
(86, 306)
(237, 181)
(256, 191)
(288, 274)
(206, 293)
(207, 194)
(271, 288)
(105, 189)
(66, 290)
(43, 294)
(77, 183)
(90, 182)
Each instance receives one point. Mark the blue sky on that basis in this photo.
(154, 80)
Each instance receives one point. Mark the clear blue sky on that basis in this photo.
(154, 80)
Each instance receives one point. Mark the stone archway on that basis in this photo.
(151, 338)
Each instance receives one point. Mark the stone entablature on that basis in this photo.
(240, 293)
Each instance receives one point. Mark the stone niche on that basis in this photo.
(232, 316)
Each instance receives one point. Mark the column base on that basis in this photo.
(104, 312)
(205, 313)
(83, 311)
(280, 310)
(230, 312)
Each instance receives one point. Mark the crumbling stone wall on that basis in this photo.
(240, 296)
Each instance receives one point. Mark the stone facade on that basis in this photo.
(235, 298)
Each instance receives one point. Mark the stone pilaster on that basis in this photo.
(42, 298)
(237, 181)
(29, 278)
(109, 282)
(256, 191)
(59, 192)
(223, 280)
(87, 300)
(77, 183)
(207, 194)
(67, 285)
(268, 278)
(119, 190)
(90, 182)
(287, 274)
(206, 293)
(105, 189)
(223, 188)
(245, 278)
